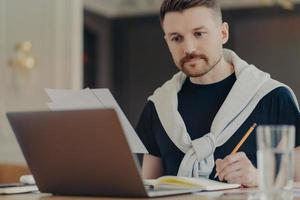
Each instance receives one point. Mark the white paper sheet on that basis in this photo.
(95, 98)
(81, 99)
(56, 95)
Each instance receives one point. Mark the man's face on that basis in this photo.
(195, 39)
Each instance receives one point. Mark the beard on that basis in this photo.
(197, 69)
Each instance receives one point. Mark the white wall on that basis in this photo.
(55, 29)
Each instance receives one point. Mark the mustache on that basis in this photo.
(191, 56)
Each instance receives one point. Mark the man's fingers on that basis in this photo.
(230, 169)
(241, 172)
(248, 180)
(222, 163)
(236, 180)
(235, 157)
(229, 164)
(218, 164)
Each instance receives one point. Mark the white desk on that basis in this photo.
(242, 195)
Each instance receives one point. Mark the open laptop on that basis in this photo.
(82, 152)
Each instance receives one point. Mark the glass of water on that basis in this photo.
(275, 157)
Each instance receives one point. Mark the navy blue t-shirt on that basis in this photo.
(198, 104)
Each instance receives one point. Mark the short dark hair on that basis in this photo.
(180, 5)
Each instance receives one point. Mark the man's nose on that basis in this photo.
(189, 47)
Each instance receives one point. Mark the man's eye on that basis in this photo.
(176, 39)
(199, 34)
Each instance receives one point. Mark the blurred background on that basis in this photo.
(118, 44)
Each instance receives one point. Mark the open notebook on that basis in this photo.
(185, 182)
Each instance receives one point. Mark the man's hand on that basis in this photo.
(237, 168)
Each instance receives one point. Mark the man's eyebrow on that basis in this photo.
(172, 34)
(195, 29)
(199, 28)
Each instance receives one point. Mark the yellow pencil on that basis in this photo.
(237, 147)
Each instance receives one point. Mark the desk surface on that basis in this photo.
(50, 197)
(242, 195)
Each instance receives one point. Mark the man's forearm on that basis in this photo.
(152, 167)
(297, 163)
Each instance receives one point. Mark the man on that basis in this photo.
(191, 124)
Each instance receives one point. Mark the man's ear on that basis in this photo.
(224, 32)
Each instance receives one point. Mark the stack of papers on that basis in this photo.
(92, 99)
(16, 188)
